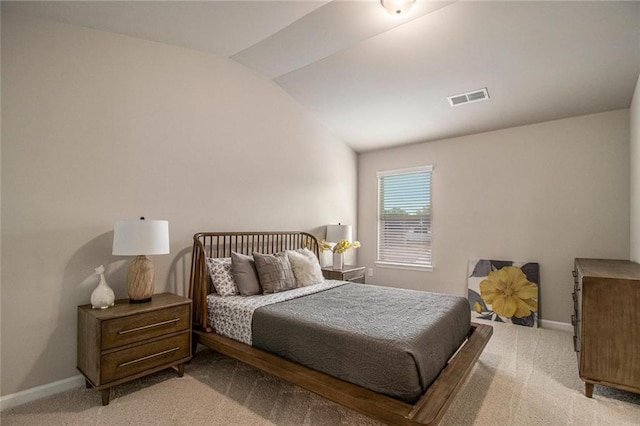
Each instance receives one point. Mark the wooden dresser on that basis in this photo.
(128, 341)
(606, 323)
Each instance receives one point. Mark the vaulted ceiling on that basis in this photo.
(377, 80)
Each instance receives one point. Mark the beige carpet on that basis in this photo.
(524, 377)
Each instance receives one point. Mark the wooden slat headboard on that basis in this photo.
(221, 244)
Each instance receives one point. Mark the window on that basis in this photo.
(404, 217)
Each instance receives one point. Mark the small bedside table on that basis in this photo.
(128, 341)
(352, 273)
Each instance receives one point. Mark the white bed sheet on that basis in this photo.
(232, 316)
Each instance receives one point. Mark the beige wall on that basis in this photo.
(635, 174)
(99, 127)
(0, 197)
(547, 192)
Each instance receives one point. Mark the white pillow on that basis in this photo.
(220, 271)
(306, 267)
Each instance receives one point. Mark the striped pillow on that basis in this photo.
(274, 271)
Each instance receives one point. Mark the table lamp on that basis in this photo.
(339, 232)
(140, 238)
(336, 234)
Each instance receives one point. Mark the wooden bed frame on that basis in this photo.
(427, 411)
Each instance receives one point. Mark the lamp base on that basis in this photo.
(140, 280)
(148, 299)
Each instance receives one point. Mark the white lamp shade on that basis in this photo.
(337, 233)
(140, 237)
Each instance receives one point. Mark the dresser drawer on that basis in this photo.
(576, 332)
(134, 328)
(124, 363)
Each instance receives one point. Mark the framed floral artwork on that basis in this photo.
(504, 291)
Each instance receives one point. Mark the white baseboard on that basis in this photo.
(22, 397)
(555, 325)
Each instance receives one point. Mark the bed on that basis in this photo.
(326, 319)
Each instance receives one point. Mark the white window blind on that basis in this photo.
(404, 217)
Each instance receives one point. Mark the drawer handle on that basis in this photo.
(574, 320)
(144, 358)
(144, 327)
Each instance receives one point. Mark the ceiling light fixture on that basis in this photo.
(397, 7)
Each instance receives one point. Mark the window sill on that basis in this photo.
(404, 266)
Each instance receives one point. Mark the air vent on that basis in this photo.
(465, 98)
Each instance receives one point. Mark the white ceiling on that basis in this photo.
(376, 81)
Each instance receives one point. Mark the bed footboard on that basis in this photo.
(427, 411)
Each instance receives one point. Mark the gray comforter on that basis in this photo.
(391, 341)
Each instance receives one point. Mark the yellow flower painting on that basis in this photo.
(504, 291)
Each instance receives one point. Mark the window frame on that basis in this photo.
(397, 172)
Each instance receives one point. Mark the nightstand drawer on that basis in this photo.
(355, 275)
(127, 362)
(352, 273)
(134, 328)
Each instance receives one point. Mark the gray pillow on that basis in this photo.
(245, 274)
(274, 271)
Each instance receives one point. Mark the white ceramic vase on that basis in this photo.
(326, 258)
(338, 260)
(103, 296)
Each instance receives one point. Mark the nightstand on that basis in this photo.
(352, 273)
(129, 341)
